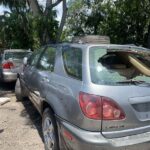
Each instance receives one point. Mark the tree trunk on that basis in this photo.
(33, 4)
(48, 6)
(63, 20)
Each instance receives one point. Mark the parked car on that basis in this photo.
(10, 61)
(90, 96)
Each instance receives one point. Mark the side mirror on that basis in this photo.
(25, 61)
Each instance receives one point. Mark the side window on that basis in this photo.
(72, 58)
(33, 59)
(47, 60)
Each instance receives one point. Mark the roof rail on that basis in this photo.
(93, 39)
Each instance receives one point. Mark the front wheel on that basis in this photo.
(49, 128)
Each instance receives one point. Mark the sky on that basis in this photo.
(2, 9)
(59, 11)
(58, 8)
(42, 2)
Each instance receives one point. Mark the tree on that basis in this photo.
(50, 5)
(125, 21)
(84, 17)
(48, 28)
(14, 27)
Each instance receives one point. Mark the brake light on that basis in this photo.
(91, 105)
(111, 110)
(100, 108)
(8, 65)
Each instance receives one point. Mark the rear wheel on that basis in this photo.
(49, 128)
(18, 90)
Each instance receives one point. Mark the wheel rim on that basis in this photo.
(48, 132)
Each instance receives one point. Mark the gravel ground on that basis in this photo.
(20, 123)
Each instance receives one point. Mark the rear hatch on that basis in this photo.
(123, 76)
(135, 103)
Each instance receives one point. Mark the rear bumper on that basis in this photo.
(8, 76)
(95, 140)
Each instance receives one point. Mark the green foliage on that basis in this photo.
(14, 4)
(41, 24)
(84, 17)
(20, 29)
(125, 21)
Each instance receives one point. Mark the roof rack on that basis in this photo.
(93, 39)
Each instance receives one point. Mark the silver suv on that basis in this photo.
(90, 96)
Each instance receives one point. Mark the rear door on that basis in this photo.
(63, 89)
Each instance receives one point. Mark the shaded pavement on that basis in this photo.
(20, 123)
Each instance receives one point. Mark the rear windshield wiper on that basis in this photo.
(134, 82)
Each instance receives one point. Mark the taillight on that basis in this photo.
(91, 105)
(100, 108)
(111, 110)
(8, 65)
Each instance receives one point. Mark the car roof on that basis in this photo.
(109, 47)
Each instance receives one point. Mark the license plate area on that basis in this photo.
(141, 106)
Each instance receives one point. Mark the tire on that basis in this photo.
(49, 127)
(18, 91)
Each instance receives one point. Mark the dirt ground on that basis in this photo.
(20, 124)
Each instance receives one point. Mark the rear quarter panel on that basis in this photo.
(63, 96)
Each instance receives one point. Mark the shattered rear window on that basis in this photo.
(114, 67)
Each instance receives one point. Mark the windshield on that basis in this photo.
(16, 55)
(116, 67)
